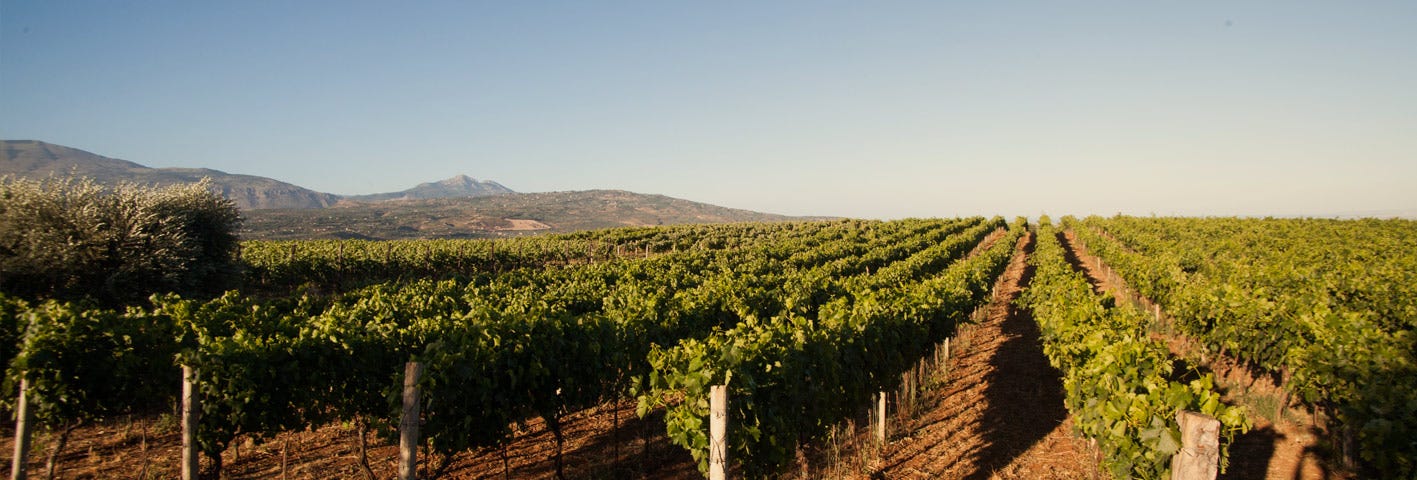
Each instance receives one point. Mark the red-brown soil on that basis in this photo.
(594, 448)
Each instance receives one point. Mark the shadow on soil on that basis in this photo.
(1025, 396)
(1070, 254)
(638, 448)
(1250, 454)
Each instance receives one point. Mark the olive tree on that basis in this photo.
(68, 238)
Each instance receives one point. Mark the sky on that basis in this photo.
(863, 109)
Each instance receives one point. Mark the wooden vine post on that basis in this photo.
(718, 432)
(24, 419)
(408, 423)
(1199, 457)
(339, 266)
(947, 358)
(881, 418)
(191, 415)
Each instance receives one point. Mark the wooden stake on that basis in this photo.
(718, 432)
(1199, 458)
(24, 419)
(1283, 402)
(644, 448)
(914, 387)
(339, 264)
(920, 377)
(902, 398)
(191, 415)
(935, 357)
(881, 418)
(947, 358)
(284, 458)
(408, 424)
(1349, 447)
(615, 432)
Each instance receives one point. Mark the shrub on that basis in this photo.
(68, 238)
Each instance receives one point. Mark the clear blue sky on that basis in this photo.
(870, 109)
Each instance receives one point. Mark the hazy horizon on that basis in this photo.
(884, 110)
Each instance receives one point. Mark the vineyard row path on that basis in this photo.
(1001, 413)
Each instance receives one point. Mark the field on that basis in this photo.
(1003, 350)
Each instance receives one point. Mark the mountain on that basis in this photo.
(34, 159)
(491, 216)
(37, 160)
(459, 207)
(457, 187)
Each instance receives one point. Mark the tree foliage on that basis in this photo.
(67, 238)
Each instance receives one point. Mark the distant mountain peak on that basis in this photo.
(459, 181)
(459, 186)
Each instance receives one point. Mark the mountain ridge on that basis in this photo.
(457, 207)
(36, 160)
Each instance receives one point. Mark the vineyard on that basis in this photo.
(1328, 308)
(807, 324)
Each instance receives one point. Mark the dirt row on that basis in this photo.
(1284, 443)
(1000, 413)
(603, 442)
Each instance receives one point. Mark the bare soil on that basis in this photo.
(149, 447)
(1287, 445)
(525, 224)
